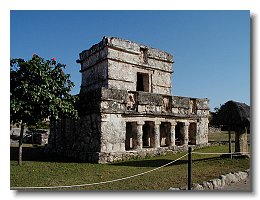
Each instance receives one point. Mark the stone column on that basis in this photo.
(186, 132)
(139, 144)
(157, 134)
(172, 133)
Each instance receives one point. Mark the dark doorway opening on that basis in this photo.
(142, 83)
(131, 136)
(165, 129)
(179, 134)
(192, 133)
(148, 135)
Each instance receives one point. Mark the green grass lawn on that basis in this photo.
(39, 169)
(223, 137)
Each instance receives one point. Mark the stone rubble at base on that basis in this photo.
(222, 181)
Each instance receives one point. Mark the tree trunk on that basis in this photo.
(21, 145)
(229, 143)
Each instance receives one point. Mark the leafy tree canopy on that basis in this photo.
(40, 89)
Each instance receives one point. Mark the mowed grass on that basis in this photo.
(40, 169)
(223, 137)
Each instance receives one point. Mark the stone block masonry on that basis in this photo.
(126, 108)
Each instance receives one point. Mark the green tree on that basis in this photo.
(39, 89)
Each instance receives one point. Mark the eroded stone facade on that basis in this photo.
(126, 107)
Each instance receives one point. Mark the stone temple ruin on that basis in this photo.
(126, 108)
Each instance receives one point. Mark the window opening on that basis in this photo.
(142, 83)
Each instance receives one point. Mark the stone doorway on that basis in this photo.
(192, 133)
(165, 129)
(148, 135)
(179, 134)
(131, 136)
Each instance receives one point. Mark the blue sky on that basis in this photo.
(211, 48)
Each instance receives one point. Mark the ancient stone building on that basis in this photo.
(126, 107)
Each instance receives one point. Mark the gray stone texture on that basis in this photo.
(126, 84)
(222, 181)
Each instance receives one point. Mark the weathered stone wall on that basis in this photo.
(93, 50)
(112, 72)
(31, 136)
(114, 63)
(95, 77)
(113, 133)
(161, 82)
(180, 105)
(108, 157)
(123, 76)
(154, 106)
(101, 129)
(79, 138)
(129, 64)
(73, 137)
(133, 102)
(134, 47)
(89, 102)
(202, 131)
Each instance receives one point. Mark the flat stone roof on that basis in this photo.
(128, 46)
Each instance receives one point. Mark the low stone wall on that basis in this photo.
(213, 129)
(35, 136)
(219, 183)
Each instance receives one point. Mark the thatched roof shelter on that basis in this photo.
(236, 116)
(232, 114)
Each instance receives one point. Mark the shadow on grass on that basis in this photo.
(220, 141)
(149, 163)
(38, 154)
(160, 162)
